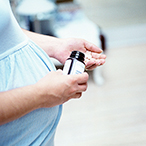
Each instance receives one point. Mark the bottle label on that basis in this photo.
(73, 67)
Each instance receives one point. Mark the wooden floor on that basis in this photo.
(113, 114)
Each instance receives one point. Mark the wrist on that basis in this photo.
(53, 47)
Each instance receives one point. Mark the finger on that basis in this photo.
(75, 96)
(59, 71)
(78, 95)
(98, 56)
(91, 66)
(82, 87)
(102, 61)
(92, 58)
(90, 55)
(80, 78)
(92, 62)
(102, 56)
(93, 48)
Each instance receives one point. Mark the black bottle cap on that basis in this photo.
(78, 55)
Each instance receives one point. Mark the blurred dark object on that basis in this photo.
(61, 1)
(103, 41)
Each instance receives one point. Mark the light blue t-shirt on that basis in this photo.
(23, 63)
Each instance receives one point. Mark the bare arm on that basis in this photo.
(54, 89)
(16, 103)
(61, 48)
(48, 43)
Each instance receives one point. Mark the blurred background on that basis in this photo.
(112, 112)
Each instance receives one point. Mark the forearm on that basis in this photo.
(17, 102)
(60, 49)
(52, 90)
(47, 43)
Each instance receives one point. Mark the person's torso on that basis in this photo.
(23, 63)
(10, 32)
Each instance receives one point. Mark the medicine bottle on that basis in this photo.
(74, 64)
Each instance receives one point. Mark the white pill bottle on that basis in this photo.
(74, 64)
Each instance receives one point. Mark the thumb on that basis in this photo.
(59, 71)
